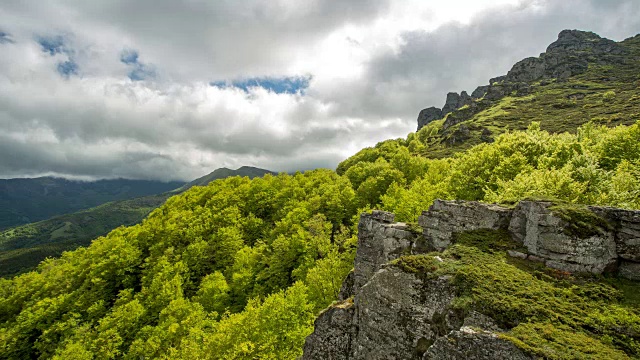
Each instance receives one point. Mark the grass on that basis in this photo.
(546, 313)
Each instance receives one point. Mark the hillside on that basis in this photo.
(24, 201)
(580, 78)
(23, 247)
(241, 268)
(222, 173)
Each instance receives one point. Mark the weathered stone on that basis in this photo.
(378, 243)
(479, 92)
(473, 344)
(347, 289)
(334, 332)
(544, 235)
(387, 313)
(383, 216)
(395, 310)
(536, 258)
(444, 218)
(428, 115)
(630, 270)
(517, 254)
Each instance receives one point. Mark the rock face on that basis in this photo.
(614, 239)
(454, 102)
(445, 218)
(569, 55)
(388, 313)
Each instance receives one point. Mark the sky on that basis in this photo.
(171, 90)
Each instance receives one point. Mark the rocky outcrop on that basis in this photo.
(608, 240)
(428, 115)
(380, 240)
(445, 218)
(387, 312)
(569, 55)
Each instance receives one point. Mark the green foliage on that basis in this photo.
(234, 269)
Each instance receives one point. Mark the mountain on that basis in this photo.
(517, 243)
(26, 200)
(580, 78)
(222, 173)
(23, 247)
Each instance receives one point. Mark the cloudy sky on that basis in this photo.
(174, 89)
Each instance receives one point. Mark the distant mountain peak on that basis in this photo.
(224, 172)
(569, 55)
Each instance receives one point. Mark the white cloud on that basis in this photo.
(373, 66)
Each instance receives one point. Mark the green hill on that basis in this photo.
(239, 269)
(23, 247)
(25, 201)
(222, 173)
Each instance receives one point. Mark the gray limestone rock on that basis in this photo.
(387, 313)
(630, 270)
(479, 92)
(333, 334)
(444, 218)
(428, 115)
(473, 344)
(379, 242)
(543, 234)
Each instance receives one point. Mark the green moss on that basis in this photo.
(417, 264)
(551, 341)
(582, 222)
(548, 315)
(486, 240)
(414, 227)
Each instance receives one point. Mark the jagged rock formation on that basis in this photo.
(569, 55)
(388, 313)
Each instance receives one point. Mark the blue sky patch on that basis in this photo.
(57, 45)
(279, 85)
(67, 68)
(129, 56)
(138, 70)
(53, 44)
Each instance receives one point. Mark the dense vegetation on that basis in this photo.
(23, 247)
(29, 200)
(240, 268)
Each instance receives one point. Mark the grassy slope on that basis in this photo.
(23, 247)
(604, 95)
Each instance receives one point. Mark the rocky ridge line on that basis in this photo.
(569, 55)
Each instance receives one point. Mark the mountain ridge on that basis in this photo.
(24, 246)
